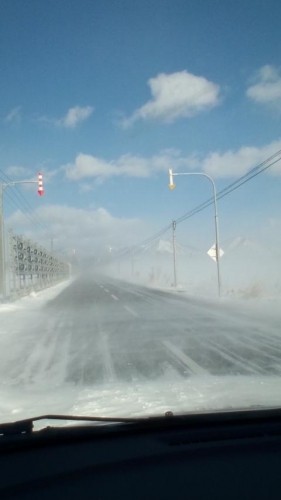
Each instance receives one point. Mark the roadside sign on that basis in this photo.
(212, 252)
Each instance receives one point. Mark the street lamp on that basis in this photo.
(172, 186)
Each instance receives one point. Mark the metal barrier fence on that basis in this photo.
(32, 267)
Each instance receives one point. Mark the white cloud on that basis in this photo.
(267, 89)
(14, 116)
(17, 171)
(75, 115)
(88, 231)
(237, 163)
(85, 188)
(230, 163)
(87, 166)
(176, 95)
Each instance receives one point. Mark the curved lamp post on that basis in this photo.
(172, 186)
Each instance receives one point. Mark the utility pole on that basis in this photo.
(174, 225)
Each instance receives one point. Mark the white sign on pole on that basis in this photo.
(212, 252)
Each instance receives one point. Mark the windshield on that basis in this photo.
(139, 207)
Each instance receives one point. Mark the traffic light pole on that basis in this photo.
(172, 186)
(3, 186)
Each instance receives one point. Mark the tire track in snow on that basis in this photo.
(256, 347)
(131, 311)
(48, 361)
(109, 371)
(233, 358)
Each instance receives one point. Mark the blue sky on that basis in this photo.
(104, 96)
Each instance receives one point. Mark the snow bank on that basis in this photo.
(35, 299)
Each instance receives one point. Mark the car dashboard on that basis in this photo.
(218, 455)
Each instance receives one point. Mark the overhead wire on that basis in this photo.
(139, 248)
(230, 188)
(255, 171)
(18, 200)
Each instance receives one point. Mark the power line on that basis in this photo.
(258, 169)
(17, 200)
(139, 248)
(230, 188)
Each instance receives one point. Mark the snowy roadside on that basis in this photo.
(36, 299)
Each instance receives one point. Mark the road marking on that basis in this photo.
(114, 297)
(186, 360)
(131, 311)
(107, 291)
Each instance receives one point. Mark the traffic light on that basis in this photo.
(171, 179)
(40, 184)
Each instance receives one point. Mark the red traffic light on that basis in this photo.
(40, 185)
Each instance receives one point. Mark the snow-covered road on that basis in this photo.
(110, 347)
